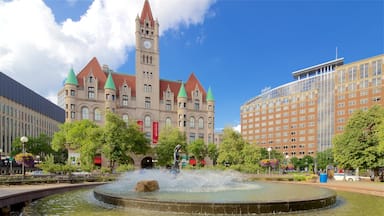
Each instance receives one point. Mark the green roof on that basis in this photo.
(182, 92)
(210, 95)
(71, 78)
(109, 84)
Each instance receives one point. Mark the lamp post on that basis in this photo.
(269, 158)
(23, 140)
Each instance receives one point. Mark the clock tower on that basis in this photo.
(147, 65)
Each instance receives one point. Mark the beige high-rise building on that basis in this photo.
(143, 97)
(301, 117)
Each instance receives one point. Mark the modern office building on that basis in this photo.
(24, 113)
(301, 117)
(144, 98)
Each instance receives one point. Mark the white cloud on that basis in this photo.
(38, 52)
(237, 128)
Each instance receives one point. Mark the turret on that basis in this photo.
(211, 115)
(70, 87)
(182, 100)
(110, 94)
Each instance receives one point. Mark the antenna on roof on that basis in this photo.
(336, 52)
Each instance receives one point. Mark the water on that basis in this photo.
(82, 202)
(205, 186)
(209, 186)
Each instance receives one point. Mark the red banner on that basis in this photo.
(155, 132)
(97, 160)
(140, 123)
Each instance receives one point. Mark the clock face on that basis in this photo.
(147, 44)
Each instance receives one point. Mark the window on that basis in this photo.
(84, 113)
(147, 88)
(91, 92)
(147, 121)
(352, 73)
(72, 115)
(73, 93)
(363, 71)
(192, 122)
(90, 79)
(147, 102)
(168, 122)
(125, 100)
(168, 105)
(197, 105)
(376, 68)
(201, 123)
(97, 114)
(192, 137)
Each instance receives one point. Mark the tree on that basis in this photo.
(358, 146)
(212, 152)
(120, 139)
(169, 137)
(137, 141)
(198, 149)
(82, 136)
(36, 146)
(324, 159)
(231, 147)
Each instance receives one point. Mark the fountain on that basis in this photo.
(212, 192)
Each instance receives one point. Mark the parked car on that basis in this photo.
(345, 177)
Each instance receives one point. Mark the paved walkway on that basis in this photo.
(365, 187)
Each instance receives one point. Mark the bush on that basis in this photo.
(125, 168)
(299, 178)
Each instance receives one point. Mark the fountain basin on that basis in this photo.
(228, 197)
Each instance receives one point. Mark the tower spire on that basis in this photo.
(146, 13)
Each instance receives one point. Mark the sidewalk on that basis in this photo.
(365, 187)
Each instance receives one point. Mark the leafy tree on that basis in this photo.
(213, 152)
(82, 136)
(251, 155)
(120, 139)
(359, 145)
(231, 147)
(198, 149)
(169, 137)
(324, 159)
(36, 146)
(137, 141)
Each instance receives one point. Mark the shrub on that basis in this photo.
(125, 167)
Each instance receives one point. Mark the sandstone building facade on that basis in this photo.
(144, 97)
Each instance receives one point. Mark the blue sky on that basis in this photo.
(239, 47)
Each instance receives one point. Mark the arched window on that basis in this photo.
(125, 118)
(168, 122)
(147, 121)
(97, 114)
(201, 123)
(192, 122)
(84, 113)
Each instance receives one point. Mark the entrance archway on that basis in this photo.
(146, 163)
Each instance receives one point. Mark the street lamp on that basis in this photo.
(23, 139)
(269, 157)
